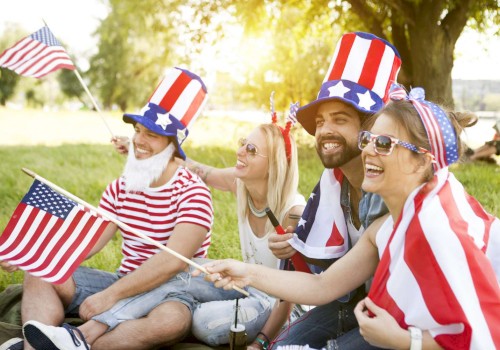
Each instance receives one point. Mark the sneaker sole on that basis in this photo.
(38, 339)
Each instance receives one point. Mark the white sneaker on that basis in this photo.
(13, 344)
(43, 337)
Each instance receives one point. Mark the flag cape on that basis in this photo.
(49, 235)
(36, 55)
(434, 272)
(322, 230)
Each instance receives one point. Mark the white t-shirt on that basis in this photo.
(255, 249)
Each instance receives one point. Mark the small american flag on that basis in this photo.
(36, 55)
(49, 235)
(292, 114)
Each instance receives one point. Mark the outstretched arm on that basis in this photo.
(344, 275)
(220, 178)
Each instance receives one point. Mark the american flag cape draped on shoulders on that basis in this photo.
(322, 231)
(434, 271)
(49, 235)
(36, 55)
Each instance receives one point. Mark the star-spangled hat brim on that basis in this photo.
(351, 93)
(150, 124)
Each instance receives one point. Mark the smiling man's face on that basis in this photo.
(337, 129)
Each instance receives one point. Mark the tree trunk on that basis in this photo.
(432, 63)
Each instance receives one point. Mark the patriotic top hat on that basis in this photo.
(174, 105)
(362, 70)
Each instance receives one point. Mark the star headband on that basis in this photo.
(291, 119)
(440, 132)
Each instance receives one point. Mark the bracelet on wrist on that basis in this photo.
(263, 343)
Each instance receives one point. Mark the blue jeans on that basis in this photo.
(334, 321)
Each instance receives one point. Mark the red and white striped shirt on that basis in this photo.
(436, 270)
(156, 211)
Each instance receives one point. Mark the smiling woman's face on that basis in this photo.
(394, 174)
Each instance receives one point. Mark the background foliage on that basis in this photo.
(279, 45)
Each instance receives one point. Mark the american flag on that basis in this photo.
(323, 213)
(49, 235)
(292, 114)
(36, 55)
(440, 265)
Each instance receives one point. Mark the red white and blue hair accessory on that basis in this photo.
(361, 72)
(440, 131)
(291, 119)
(173, 106)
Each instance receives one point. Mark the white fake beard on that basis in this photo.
(141, 173)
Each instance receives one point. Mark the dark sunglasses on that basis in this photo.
(384, 144)
(250, 148)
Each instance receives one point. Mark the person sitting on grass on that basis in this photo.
(165, 202)
(266, 174)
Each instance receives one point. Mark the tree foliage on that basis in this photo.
(424, 31)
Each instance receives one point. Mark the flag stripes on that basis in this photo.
(36, 55)
(49, 235)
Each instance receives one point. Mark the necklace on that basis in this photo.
(257, 213)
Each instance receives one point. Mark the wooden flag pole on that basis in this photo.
(123, 225)
(88, 92)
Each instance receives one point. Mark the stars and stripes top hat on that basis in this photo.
(174, 105)
(361, 72)
(440, 131)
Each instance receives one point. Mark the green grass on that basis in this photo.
(85, 170)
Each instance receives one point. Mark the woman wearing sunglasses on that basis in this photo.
(434, 258)
(265, 175)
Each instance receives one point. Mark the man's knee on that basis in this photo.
(172, 321)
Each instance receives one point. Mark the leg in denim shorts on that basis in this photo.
(141, 305)
(89, 282)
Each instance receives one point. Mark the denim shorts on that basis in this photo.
(140, 305)
(89, 282)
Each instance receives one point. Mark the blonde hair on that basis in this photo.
(283, 176)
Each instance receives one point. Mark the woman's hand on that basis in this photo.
(381, 330)
(121, 144)
(227, 273)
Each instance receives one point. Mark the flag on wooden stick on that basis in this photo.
(49, 235)
(36, 55)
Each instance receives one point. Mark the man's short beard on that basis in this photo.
(139, 174)
(332, 161)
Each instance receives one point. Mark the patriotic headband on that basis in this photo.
(440, 131)
(173, 106)
(290, 121)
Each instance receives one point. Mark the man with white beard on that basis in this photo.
(162, 200)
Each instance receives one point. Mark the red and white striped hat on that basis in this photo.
(362, 70)
(174, 105)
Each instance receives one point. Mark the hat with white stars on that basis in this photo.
(174, 105)
(362, 70)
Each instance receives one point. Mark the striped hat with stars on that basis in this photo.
(173, 106)
(362, 70)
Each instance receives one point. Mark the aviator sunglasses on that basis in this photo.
(250, 148)
(384, 144)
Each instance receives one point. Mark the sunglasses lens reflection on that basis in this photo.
(251, 149)
(383, 144)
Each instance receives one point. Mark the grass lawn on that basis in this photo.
(85, 169)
